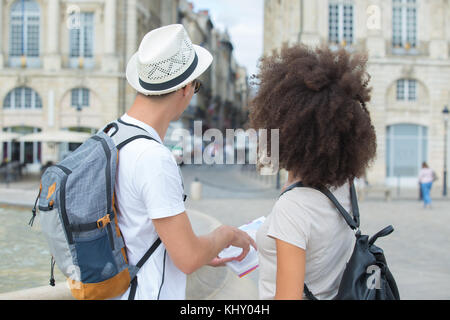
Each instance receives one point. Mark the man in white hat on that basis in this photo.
(149, 186)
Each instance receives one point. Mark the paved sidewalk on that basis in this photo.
(417, 252)
(206, 283)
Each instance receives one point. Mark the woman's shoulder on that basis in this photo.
(296, 203)
(312, 202)
(296, 197)
(305, 195)
(425, 171)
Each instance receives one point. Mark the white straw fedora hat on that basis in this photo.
(166, 61)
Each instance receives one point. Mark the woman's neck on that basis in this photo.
(291, 180)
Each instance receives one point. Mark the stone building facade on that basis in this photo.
(407, 42)
(62, 65)
(222, 102)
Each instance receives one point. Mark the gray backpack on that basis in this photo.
(79, 219)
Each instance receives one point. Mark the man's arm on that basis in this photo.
(189, 252)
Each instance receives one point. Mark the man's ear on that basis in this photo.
(186, 89)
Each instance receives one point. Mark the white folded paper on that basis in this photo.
(251, 261)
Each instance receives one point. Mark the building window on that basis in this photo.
(340, 22)
(404, 24)
(80, 97)
(406, 149)
(24, 30)
(406, 90)
(22, 98)
(24, 152)
(82, 37)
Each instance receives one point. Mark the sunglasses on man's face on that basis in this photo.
(197, 85)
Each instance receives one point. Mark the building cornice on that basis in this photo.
(403, 61)
(40, 73)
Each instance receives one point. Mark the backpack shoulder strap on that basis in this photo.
(292, 186)
(123, 133)
(134, 279)
(354, 221)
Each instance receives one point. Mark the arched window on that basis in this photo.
(406, 149)
(24, 32)
(22, 98)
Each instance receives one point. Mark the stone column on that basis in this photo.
(52, 59)
(168, 12)
(1, 34)
(110, 26)
(375, 43)
(131, 46)
(309, 24)
(438, 43)
(110, 61)
(131, 36)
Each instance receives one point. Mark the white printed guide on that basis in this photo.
(251, 261)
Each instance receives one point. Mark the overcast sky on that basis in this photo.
(244, 21)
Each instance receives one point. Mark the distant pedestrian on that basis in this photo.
(426, 179)
(317, 99)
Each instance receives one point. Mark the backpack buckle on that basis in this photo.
(102, 222)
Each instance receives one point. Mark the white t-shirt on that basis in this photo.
(307, 219)
(149, 186)
(426, 175)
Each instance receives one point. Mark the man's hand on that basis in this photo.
(242, 240)
(220, 262)
(190, 252)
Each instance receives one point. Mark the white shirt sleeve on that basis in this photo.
(158, 182)
(289, 224)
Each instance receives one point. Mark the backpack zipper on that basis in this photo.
(62, 203)
(109, 187)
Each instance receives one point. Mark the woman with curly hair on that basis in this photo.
(317, 99)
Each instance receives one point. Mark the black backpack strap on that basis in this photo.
(308, 293)
(355, 208)
(292, 186)
(124, 143)
(134, 281)
(354, 221)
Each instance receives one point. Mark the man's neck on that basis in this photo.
(154, 113)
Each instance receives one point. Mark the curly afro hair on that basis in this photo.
(317, 99)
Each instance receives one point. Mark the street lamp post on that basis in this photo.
(445, 112)
(79, 109)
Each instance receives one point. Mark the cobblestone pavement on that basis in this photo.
(417, 252)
